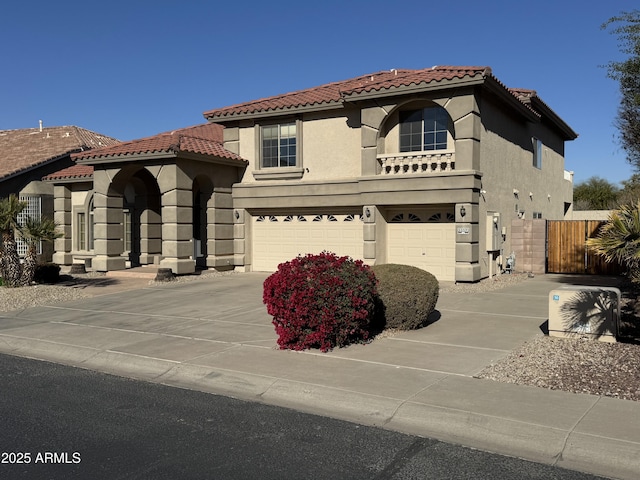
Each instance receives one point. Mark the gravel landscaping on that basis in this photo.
(573, 365)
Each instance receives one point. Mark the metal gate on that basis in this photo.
(567, 252)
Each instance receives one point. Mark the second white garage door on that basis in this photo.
(279, 238)
(424, 239)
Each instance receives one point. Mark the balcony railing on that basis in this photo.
(416, 162)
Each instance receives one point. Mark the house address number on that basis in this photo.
(463, 230)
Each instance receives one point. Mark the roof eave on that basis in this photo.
(67, 180)
(495, 87)
(563, 126)
(127, 157)
(316, 107)
(415, 88)
(214, 159)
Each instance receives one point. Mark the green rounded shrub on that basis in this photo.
(407, 295)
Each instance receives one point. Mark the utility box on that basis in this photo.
(494, 232)
(585, 311)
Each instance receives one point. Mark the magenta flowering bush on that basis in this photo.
(321, 301)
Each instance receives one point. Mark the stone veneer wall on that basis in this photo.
(528, 242)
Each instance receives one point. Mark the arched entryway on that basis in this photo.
(202, 191)
(128, 220)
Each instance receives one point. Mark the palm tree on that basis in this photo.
(34, 231)
(10, 267)
(619, 239)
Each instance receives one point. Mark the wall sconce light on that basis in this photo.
(482, 192)
(463, 211)
(516, 192)
(548, 196)
(530, 194)
(495, 220)
(367, 212)
(237, 214)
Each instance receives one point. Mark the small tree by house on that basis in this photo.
(619, 239)
(34, 231)
(10, 268)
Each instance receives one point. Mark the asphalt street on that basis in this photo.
(65, 423)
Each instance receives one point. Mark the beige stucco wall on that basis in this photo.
(506, 154)
(330, 147)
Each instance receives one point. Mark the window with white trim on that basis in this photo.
(127, 229)
(33, 209)
(424, 129)
(82, 230)
(279, 145)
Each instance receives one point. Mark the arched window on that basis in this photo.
(424, 129)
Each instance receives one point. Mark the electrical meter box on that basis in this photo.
(584, 311)
(494, 232)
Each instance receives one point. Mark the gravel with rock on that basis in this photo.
(570, 364)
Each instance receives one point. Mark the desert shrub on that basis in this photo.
(407, 295)
(320, 301)
(47, 273)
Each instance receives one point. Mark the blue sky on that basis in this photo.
(136, 68)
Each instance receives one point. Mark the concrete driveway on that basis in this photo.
(215, 335)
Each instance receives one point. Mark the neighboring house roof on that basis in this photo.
(391, 82)
(25, 149)
(203, 139)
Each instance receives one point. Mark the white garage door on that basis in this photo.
(279, 238)
(424, 239)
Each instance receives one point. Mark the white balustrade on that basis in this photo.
(416, 162)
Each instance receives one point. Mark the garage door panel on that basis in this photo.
(429, 246)
(275, 242)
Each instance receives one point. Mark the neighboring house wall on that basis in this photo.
(39, 198)
(590, 215)
(14, 184)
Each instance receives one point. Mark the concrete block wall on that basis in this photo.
(528, 242)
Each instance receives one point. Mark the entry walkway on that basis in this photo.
(215, 335)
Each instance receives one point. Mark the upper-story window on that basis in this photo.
(537, 152)
(424, 129)
(279, 145)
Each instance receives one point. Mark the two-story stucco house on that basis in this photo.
(422, 167)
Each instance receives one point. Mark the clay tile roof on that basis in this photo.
(27, 148)
(405, 78)
(203, 139)
(335, 93)
(75, 172)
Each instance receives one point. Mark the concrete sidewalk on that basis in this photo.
(215, 335)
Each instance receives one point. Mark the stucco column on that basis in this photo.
(177, 231)
(220, 230)
(150, 236)
(62, 216)
(177, 219)
(369, 217)
(239, 238)
(108, 232)
(467, 242)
